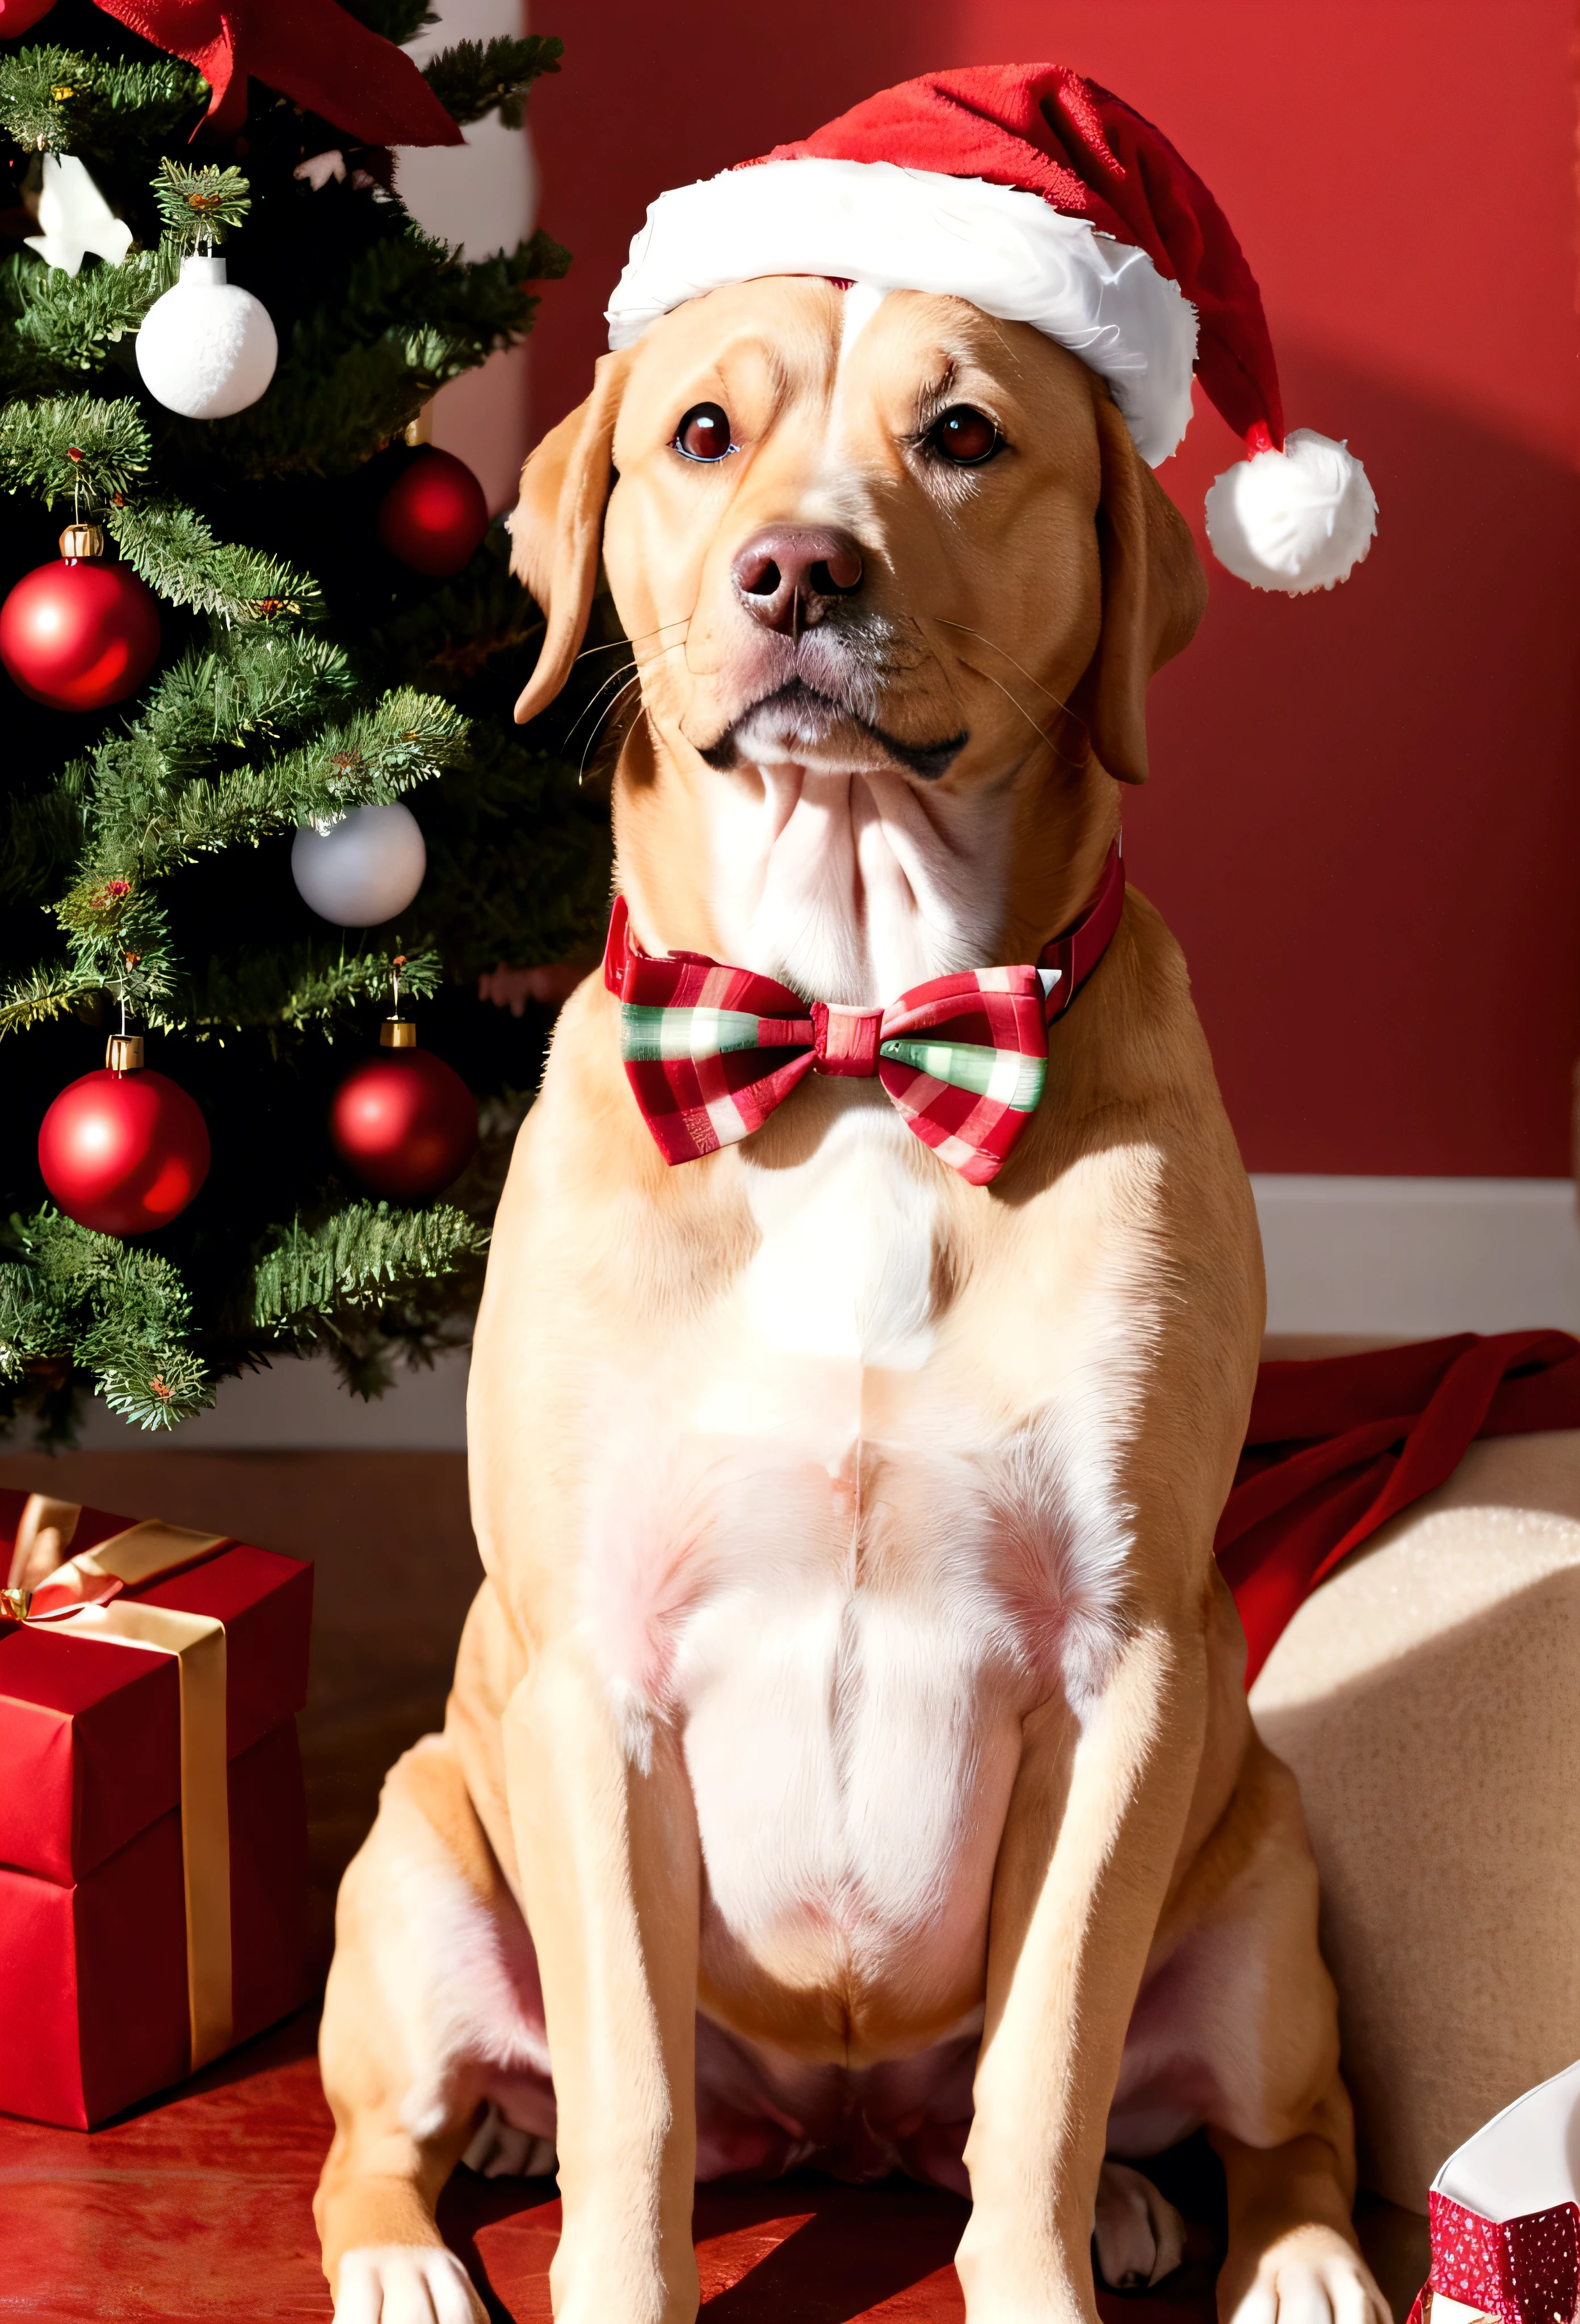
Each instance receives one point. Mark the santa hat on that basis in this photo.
(1042, 199)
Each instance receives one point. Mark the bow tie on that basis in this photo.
(709, 1051)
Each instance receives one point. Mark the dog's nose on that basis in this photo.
(788, 575)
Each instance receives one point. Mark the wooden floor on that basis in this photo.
(198, 2205)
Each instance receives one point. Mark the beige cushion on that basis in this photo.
(1427, 1698)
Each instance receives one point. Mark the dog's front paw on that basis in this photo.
(500, 2151)
(1139, 2234)
(405, 2283)
(1312, 2276)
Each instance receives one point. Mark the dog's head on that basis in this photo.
(885, 562)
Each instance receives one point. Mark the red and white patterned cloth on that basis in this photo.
(1523, 2271)
(709, 1051)
(1505, 2215)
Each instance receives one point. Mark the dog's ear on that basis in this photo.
(556, 531)
(1154, 592)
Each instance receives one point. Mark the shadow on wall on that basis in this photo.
(1364, 819)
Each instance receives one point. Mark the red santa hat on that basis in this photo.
(1042, 199)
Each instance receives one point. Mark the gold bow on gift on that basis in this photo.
(82, 1597)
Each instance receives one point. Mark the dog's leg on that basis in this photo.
(1091, 1840)
(1285, 2131)
(1239, 2005)
(605, 1835)
(431, 1998)
(1292, 2251)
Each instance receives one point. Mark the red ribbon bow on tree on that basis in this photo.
(311, 51)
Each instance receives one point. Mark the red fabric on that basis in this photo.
(1049, 131)
(1337, 1447)
(309, 50)
(1524, 2271)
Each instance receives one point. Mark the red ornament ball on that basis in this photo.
(405, 1122)
(434, 514)
(123, 1153)
(79, 634)
(17, 15)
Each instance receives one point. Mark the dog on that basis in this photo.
(848, 1759)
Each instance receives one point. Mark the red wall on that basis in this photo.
(1365, 807)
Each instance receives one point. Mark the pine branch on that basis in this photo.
(471, 81)
(410, 317)
(173, 550)
(44, 993)
(57, 99)
(121, 1314)
(44, 833)
(121, 942)
(396, 20)
(68, 322)
(250, 683)
(363, 1257)
(539, 259)
(257, 681)
(260, 680)
(200, 206)
(298, 990)
(403, 740)
(466, 318)
(152, 1388)
(71, 442)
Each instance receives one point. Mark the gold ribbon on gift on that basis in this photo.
(41, 1571)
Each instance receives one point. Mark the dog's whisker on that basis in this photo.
(993, 644)
(1063, 707)
(592, 738)
(676, 645)
(615, 644)
(1041, 732)
(591, 704)
(590, 708)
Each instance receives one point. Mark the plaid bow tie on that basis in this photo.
(709, 1051)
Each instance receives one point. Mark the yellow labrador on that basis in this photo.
(848, 1758)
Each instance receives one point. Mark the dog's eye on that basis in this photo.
(704, 433)
(964, 435)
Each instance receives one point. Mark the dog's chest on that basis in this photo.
(814, 1589)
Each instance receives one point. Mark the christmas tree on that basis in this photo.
(305, 669)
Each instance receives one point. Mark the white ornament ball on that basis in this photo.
(363, 870)
(1296, 520)
(207, 347)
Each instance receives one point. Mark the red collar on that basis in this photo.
(1065, 962)
(1076, 953)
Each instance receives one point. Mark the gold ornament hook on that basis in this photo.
(397, 1032)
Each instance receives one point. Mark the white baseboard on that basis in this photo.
(299, 1405)
(1400, 1259)
(1415, 1258)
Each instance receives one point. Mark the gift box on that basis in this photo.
(153, 1823)
(1505, 2216)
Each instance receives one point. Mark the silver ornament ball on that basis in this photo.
(363, 870)
(207, 347)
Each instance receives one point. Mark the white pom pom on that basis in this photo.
(1296, 520)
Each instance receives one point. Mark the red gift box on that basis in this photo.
(153, 1824)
